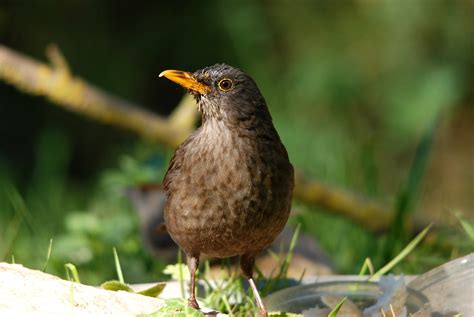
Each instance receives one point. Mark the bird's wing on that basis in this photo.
(175, 164)
(173, 169)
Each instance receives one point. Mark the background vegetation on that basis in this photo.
(372, 96)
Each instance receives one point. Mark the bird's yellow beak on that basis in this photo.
(186, 80)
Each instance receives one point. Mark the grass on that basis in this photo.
(48, 255)
(118, 267)
(403, 253)
(335, 310)
(228, 293)
(84, 230)
(466, 225)
(176, 307)
(406, 201)
(71, 269)
(350, 244)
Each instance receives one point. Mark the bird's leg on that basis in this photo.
(247, 262)
(193, 263)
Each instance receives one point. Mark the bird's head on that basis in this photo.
(222, 92)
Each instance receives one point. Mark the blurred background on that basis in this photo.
(374, 97)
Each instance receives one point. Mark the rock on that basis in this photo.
(26, 292)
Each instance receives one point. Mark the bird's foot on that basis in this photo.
(193, 303)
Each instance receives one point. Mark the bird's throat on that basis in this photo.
(216, 130)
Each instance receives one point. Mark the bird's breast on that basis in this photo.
(224, 173)
(227, 185)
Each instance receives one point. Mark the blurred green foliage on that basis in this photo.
(352, 87)
(84, 222)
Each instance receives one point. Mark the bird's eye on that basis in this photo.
(225, 84)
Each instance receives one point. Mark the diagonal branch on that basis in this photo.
(56, 83)
(374, 215)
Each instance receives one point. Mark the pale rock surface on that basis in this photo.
(26, 292)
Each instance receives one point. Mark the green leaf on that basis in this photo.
(177, 271)
(153, 291)
(176, 308)
(116, 286)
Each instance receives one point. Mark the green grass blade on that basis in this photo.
(71, 268)
(48, 255)
(368, 265)
(409, 193)
(270, 283)
(288, 258)
(467, 226)
(180, 274)
(13, 259)
(335, 310)
(301, 276)
(118, 268)
(72, 299)
(273, 254)
(22, 216)
(225, 300)
(259, 272)
(410, 246)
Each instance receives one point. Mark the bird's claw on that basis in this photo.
(193, 303)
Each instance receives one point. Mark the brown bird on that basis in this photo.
(229, 185)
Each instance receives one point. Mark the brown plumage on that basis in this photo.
(229, 185)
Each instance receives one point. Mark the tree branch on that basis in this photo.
(374, 215)
(56, 83)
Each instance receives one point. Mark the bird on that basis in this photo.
(229, 185)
